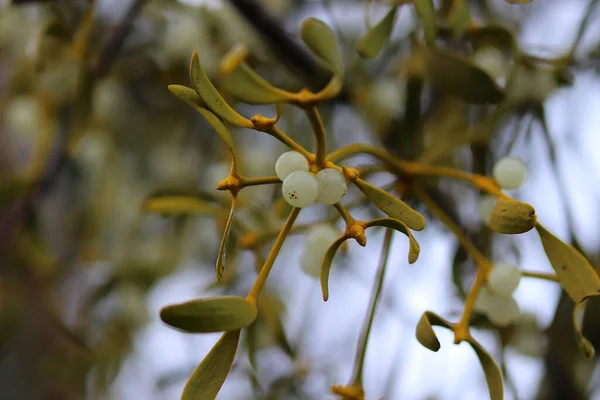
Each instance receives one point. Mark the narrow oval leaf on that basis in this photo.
(213, 99)
(220, 267)
(371, 43)
(512, 217)
(414, 250)
(456, 75)
(425, 333)
(575, 273)
(326, 265)
(493, 376)
(186, 94)
(321, 40)
(209, 376)
(246, 85)
(583, 345)
(177, 205)
(391, 205)
(213, 314)
(428, 18)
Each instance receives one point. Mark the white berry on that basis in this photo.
(300, 189)
(290, 162)
(486, 206)
(503, 310)
(509, 172)
(332, 186)
(318, 240)
(483, 300)
(504, 279)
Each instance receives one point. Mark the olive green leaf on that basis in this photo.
(491, 35)
(583, 345)
(413, 253)
(246, 85)
(425, 333)
(193, 99)
(456, 75)
(428, 18)
(220, 266)
(511, 216)
(212, 97)
(177, 205)
(326, 265)
(575, 273)
(391, 205)
(460, 17)
(209, 376)
(371, 43)
(321, 40)
(213, 314)
(493, 376)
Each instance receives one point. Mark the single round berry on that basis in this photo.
(290, 162)
(503, 310)
(318, 240)
(332, 186)
(504, 279)
(300, 189)
(509, 172)
(486, 206)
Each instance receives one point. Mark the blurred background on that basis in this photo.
(88, 131)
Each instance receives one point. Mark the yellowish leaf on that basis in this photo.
(322, 41)
(425, 333)
(371, 43)
(428, 19)
(213, 314)
(575, 273)
(209, 376)
(220, 266)
(326, 265)
(247, 86)
(392, 206)
(586, 349)
(493, 376)
(414, 250)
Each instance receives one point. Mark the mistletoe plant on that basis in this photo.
(320, 176)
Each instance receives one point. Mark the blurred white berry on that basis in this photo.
(22, 116)
(504, 279)
(318, 240)
(289, 162)
(486, 206)
(483, 300)
(300, 189)
(503, 310)
(491, 60)
(509, 172)
(387, 96)
(332, 186)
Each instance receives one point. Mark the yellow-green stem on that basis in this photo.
(289, 142)
(540, 275)
(361, 350)
(348, 219)
(267, 180)
(320, 136)
(461, 330)
(266, 268)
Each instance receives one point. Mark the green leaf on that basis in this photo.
(371, 43)
(426, 13)
(322, 41)
(493, 376)
(392, 206)
(458, 76)
(512, 217)
(220, 266)
(413, 253)
(246, 85)
(212, 97)
(425, 333)
(213, 314)
(583, 345)
(326, 265)
(176, 205)
(209, 376)
(575, 273)
(193, 99)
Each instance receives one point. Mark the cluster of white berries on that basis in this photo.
(509, 172)
(318, 240)
(495, 300)
(301, 188)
